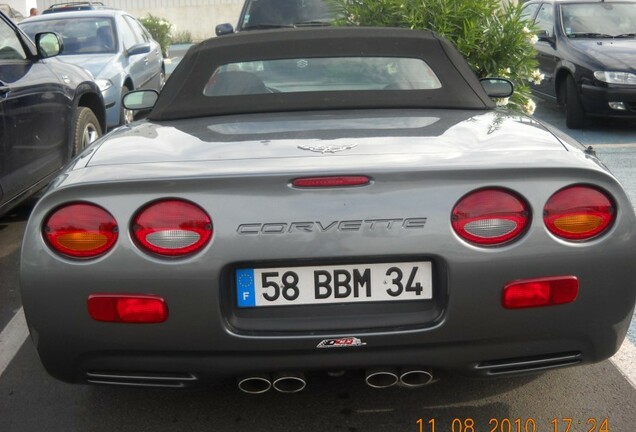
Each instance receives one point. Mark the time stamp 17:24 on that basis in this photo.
(468, 424)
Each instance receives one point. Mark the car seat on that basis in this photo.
(105, 38)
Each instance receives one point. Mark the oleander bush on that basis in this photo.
(160, 30)
(491, 34)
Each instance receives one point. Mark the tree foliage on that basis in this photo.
(492, 36)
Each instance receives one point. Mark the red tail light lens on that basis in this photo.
(80, 230)
(578, 213)
(540, 292)
(490, 217)
(125, 308)
(172, 228)
(328, 182)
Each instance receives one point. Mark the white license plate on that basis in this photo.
(288, 286)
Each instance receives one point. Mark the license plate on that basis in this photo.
(290, 286)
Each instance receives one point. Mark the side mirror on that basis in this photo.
(223, 29)
(544, 36)
(497, 87)
(139, 49)
(48, 44)
(140, 100)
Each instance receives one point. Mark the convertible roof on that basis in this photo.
(182, 96)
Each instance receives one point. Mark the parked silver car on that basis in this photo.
(113, 45)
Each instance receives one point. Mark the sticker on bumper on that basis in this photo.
(341, 343)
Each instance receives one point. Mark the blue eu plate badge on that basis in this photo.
(245, 292)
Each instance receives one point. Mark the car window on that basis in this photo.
(89, 35)
(529, 11)
(321, 74)
(599, 19)
(10, 47)
(545, 18)
(128, 37)
(265, 13)
(137, 29)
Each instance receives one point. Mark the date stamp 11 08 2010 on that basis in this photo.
(467, 424)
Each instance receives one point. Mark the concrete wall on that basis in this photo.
(199, 17)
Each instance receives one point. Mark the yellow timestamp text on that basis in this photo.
(467, 424)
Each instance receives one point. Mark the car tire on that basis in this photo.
(574, 113)
(125, 116)
(86, 129)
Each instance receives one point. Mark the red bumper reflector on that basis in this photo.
(329, 182)
(123, 308)
(540, 292)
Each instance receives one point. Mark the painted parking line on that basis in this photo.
(625, 361)
(11, 339)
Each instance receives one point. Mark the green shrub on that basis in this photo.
(492, 36)
(183, 37)
(160, 31)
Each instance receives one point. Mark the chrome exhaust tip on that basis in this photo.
(381, 378)
(255, 384)
(416, 377)
(289, 382)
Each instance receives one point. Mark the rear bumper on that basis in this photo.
(494, 359)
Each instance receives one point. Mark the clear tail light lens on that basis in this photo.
(490, 217)
(80, 230)
(172, 228)
(579, 213)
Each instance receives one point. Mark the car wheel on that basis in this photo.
(126, 116)
(86, 129)
(574, 113)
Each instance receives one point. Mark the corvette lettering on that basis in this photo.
(355, 225)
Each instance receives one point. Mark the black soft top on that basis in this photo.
(182, 96)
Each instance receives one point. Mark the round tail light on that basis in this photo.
(172, 228)
(490, 217)
(80, 230)
(578, 213)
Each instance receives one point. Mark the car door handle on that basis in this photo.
(4, 90)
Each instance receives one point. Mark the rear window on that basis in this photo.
(321, 74)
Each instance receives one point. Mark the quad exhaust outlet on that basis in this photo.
(294, 382)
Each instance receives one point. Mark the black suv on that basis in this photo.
(266, 14)
(49, 111)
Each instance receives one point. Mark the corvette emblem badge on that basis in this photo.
(327, 148)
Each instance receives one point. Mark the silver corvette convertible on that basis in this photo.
(321, 200)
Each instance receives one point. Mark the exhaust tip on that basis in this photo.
(289, 382)
(416, 377)
(254, 384)
(379, 378)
